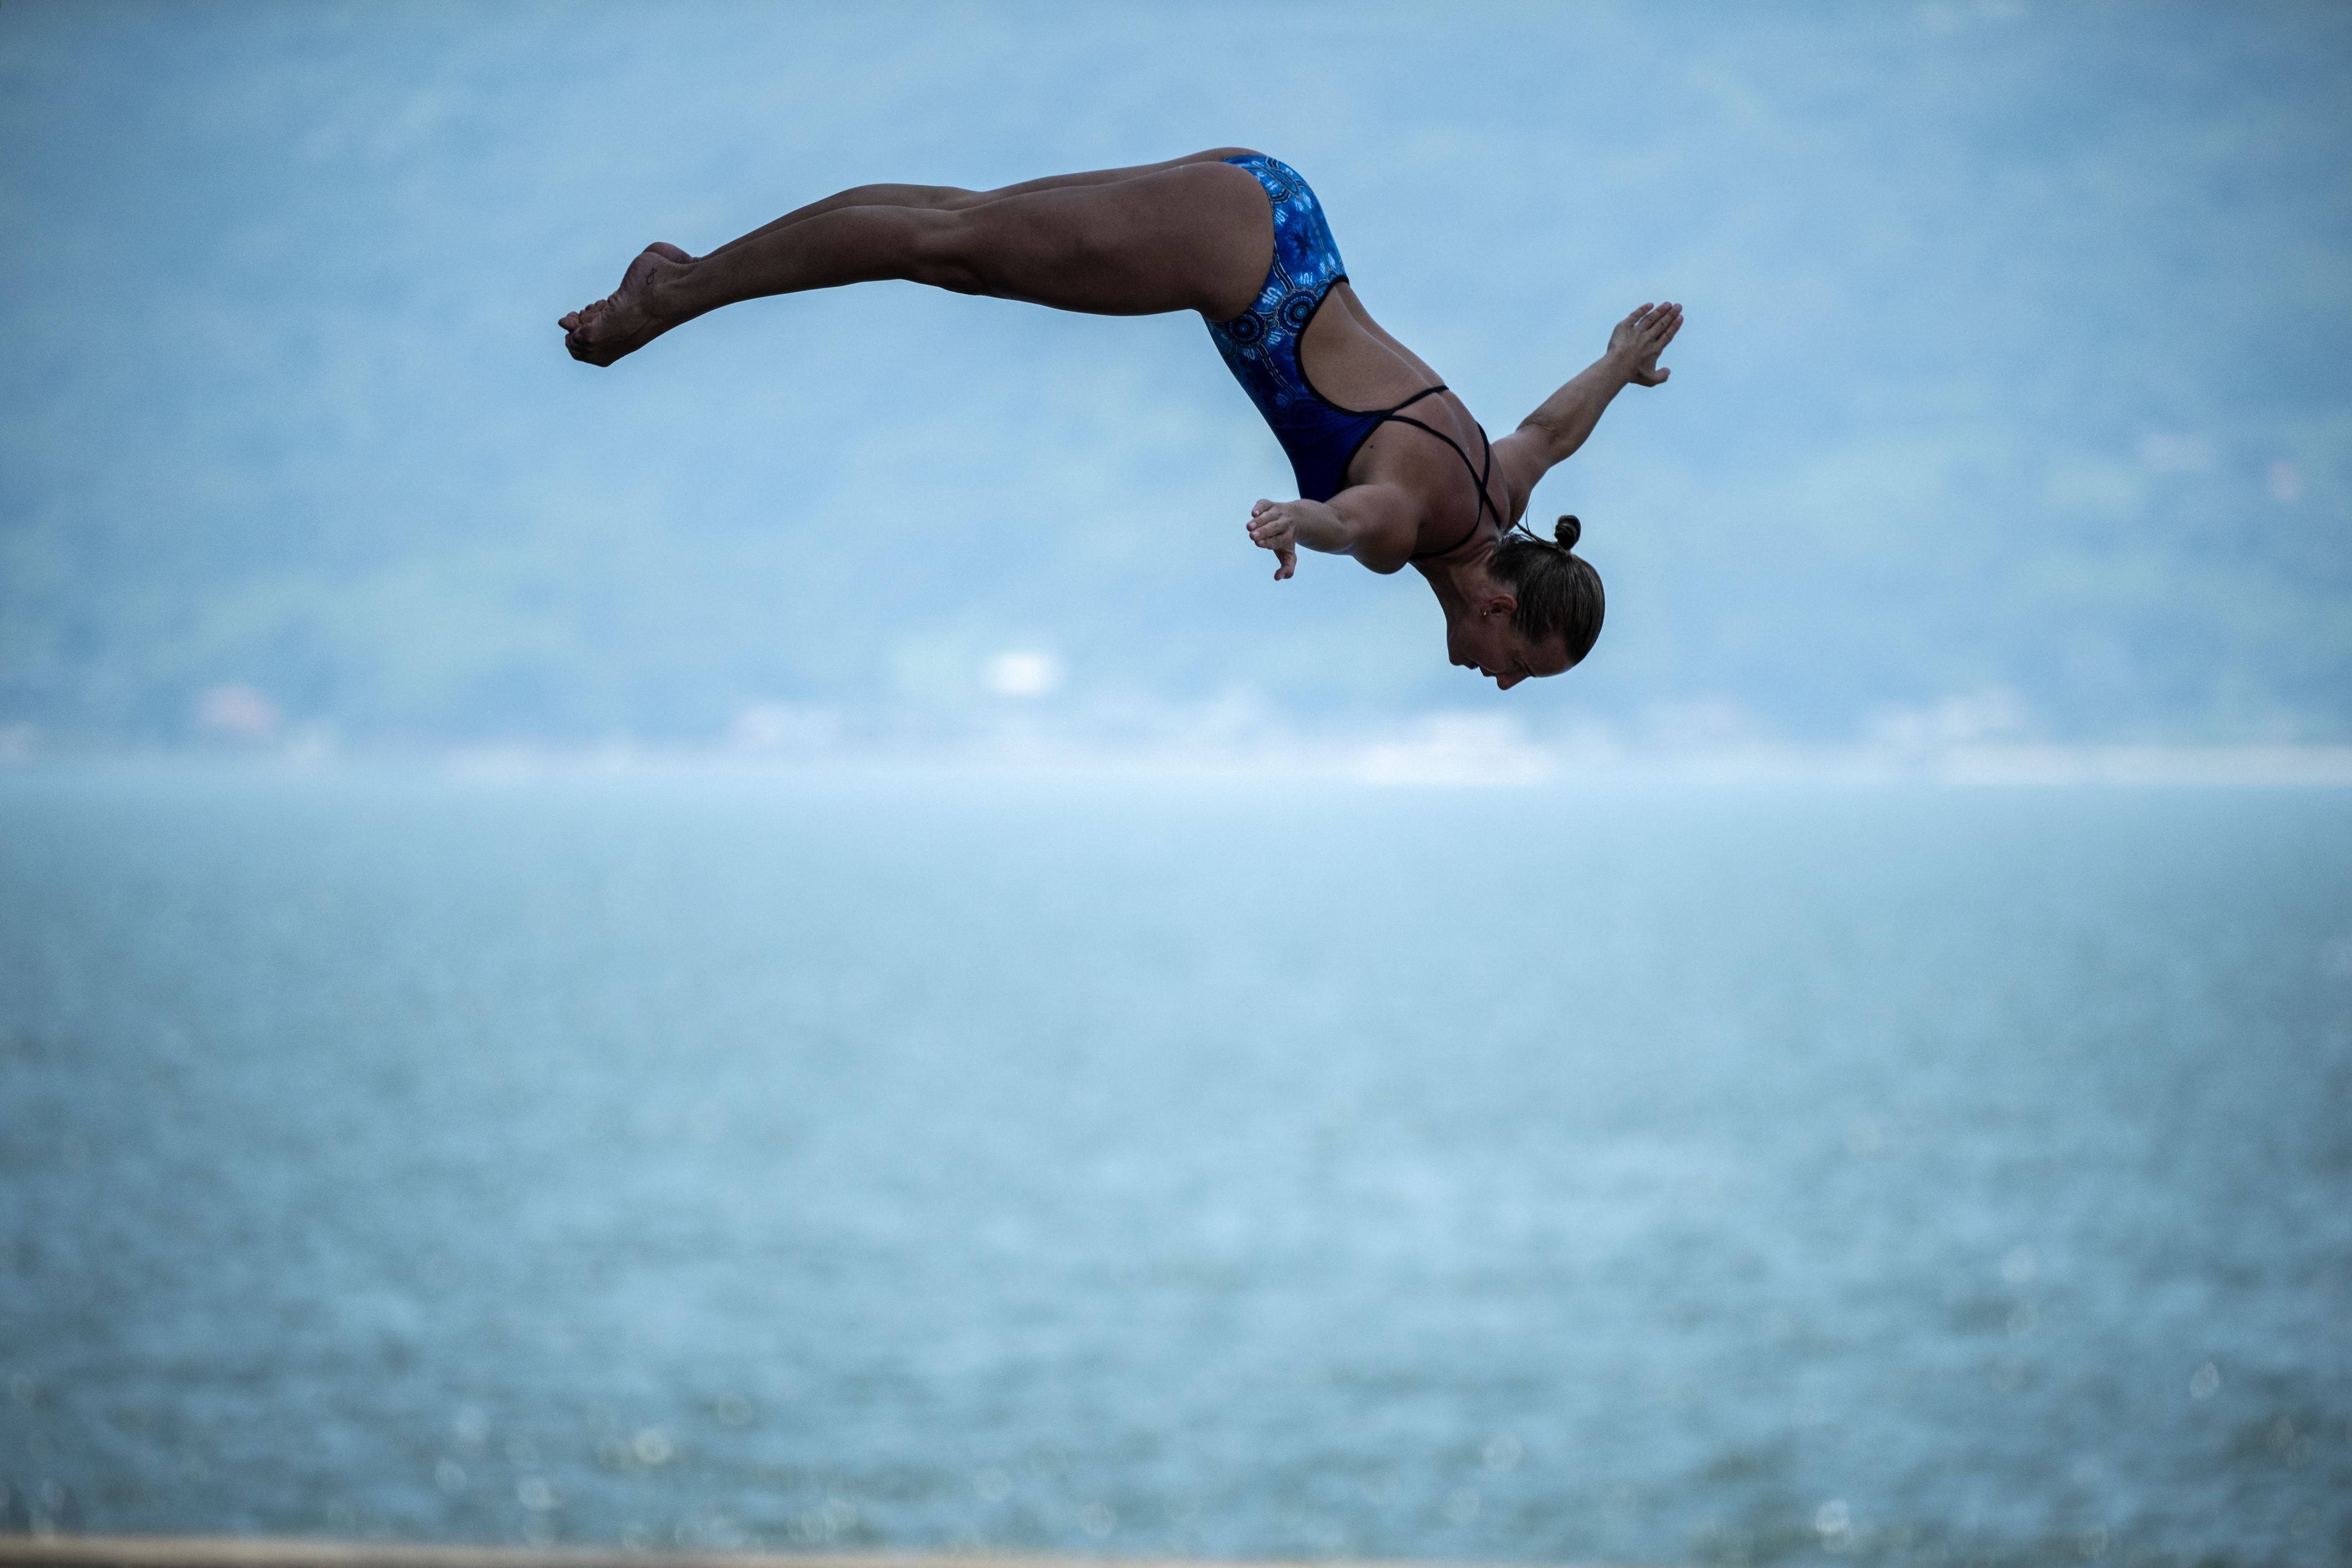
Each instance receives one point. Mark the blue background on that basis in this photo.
(2015, 371)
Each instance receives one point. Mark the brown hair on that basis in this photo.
(1557, 590)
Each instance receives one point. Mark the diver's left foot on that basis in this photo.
(632, 316)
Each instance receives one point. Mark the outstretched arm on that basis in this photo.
(1545, 438)
(1374, 523)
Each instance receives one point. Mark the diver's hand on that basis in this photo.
(1274, 525)
(1636, 341)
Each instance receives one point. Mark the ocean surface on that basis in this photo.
(1731, 1175)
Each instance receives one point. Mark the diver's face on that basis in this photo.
(1484, 640)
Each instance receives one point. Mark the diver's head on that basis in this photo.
(1539, 614)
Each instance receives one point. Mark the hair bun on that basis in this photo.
(1569, 531)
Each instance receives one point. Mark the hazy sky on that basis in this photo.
(2014, 386)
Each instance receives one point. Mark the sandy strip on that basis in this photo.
(284, 1551)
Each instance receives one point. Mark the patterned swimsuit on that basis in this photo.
(1261, 348)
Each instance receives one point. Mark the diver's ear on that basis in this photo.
(1498, 607)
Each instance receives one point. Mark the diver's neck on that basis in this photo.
(1460, 586)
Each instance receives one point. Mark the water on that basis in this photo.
(1768, 1175)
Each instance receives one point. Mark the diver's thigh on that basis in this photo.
(1195, 237)
(1103, 176)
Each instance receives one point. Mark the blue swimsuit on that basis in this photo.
(1261, 348)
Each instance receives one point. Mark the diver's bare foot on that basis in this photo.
(629, 318)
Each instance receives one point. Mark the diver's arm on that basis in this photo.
(1555, 430)
(1375, 524)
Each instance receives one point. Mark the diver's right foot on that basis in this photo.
(630, 316)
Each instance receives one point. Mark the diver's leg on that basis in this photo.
(1193, 235)
(957, 197)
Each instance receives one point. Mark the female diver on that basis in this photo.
(1381, 447)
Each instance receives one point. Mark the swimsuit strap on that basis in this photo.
(1391, 411)
(1479, 475)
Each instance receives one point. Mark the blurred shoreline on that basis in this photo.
(1466, 752)
(297, 1551)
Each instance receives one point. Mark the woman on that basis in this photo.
(1381, 447)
